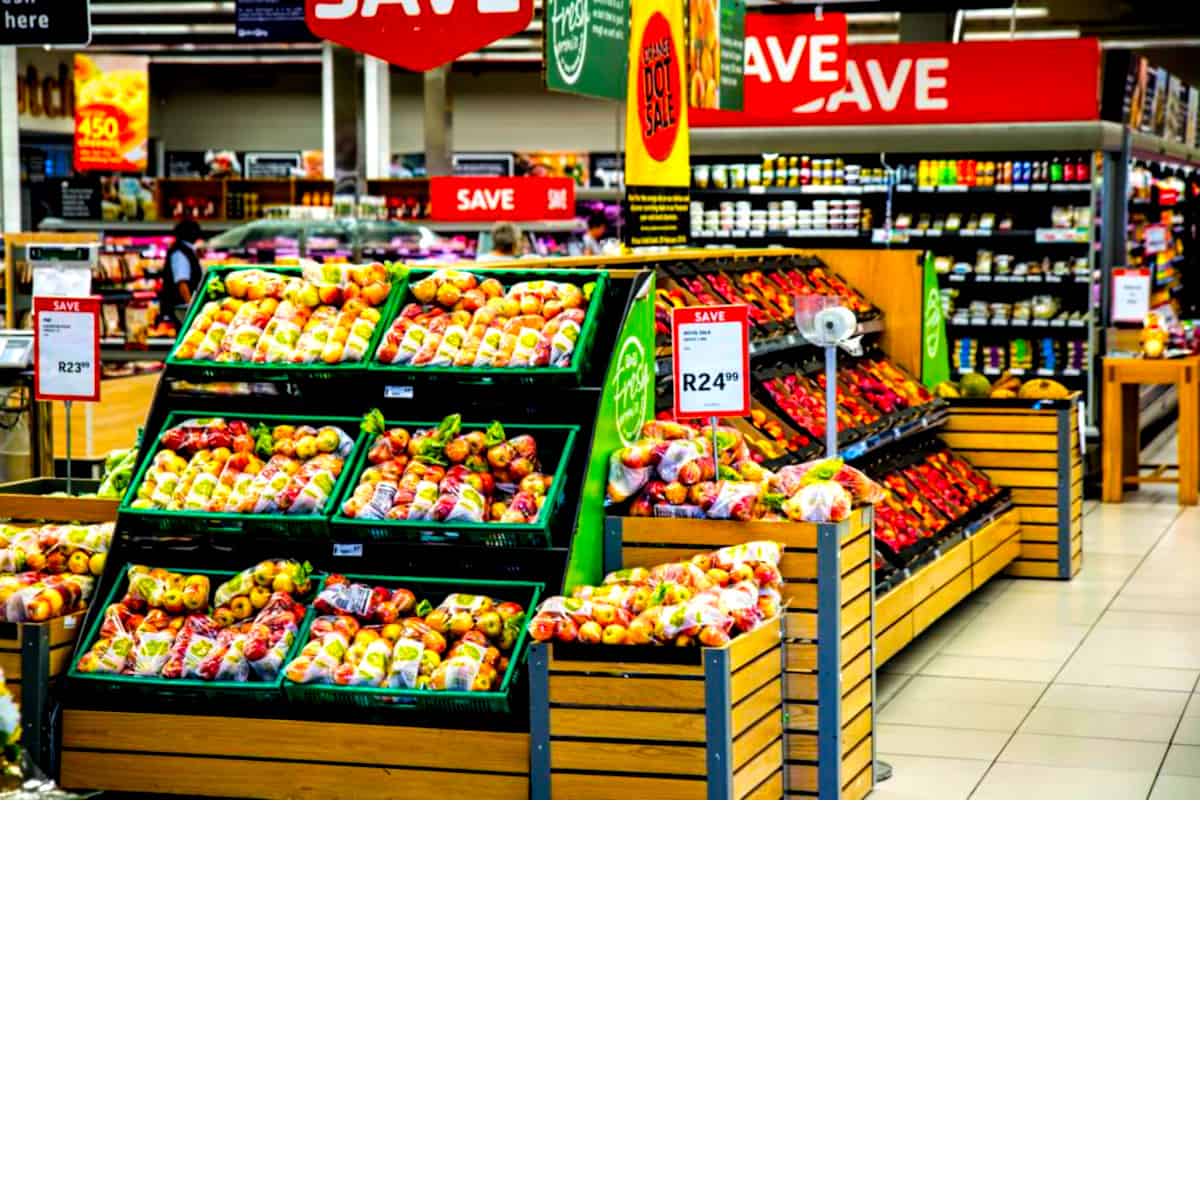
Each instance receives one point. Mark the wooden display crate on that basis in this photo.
(607, 728)
(33, 654)
(1031, 447)
(29, 500)
(829, 658)
(147, 753)
(908, 608)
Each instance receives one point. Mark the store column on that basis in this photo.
(10, 151)
(377, 117)
(341, 119)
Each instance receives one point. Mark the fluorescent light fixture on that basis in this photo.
(99, 8)
(873, 18)
(998, 35)
(161, 30)
(1004, 14)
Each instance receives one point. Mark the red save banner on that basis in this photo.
(803, 56)
(417, 34)
(501, 198)
(931, 83)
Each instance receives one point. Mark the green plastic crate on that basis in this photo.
(555, 445)
(154, 687)
(434, 590)
(170, 521)
(192, 369)
(507, 276)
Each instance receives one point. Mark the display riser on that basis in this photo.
(268, 758)
(829, 667)
(1031, 448)
(656, 728)
(906, 610)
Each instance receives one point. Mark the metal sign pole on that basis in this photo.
(68, 418)
(716, 453)
(831, 423)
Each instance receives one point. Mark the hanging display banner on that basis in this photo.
(1130, 295)
(656, 128)
(933, 83)
(585, 47)
(66, 354)
(717, 53)
(711, 353)
(935, 352)
(516, 198)
(61, 23)
(112, 113)
(417, 34)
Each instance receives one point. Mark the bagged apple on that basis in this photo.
(820, 502)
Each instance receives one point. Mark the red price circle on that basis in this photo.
(659, 90)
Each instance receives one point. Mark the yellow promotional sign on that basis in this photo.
(112, 113)
(656, 126)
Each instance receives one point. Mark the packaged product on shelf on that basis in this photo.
(163, 627)
(219, 465)
(449, 475)
(705, 601)
(379, 637)
(461, 319)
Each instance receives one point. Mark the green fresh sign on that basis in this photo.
(626, 403)
(935, 353)
(731, 95)
(585, 47)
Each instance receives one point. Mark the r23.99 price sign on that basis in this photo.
(711, 348)
(67, 348)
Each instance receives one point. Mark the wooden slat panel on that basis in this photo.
(854, 553)
(1020, 460)
(1076, 509)
(944, 599)
(713, 535)
(194, 775)
(643, 691)
(751, 678)
(800, 625)
(27, 506)
(634, 724)
(856, 641)
(856, 612)
(854, 731)
(800, 595)
(762, 766)
(991, 440)
(801, 746)
(801, 656)
(768, 730)
(995, 562)
(857, 582)
(756, 705)
(647, 758)
(894, 605)
(860, 787)
(771, 788)
(625, 787)
(1023, 479)
(567, 667)
(800, 686)
(858, 758)
(292, 741)
(60, 660)
(1023, 569)
(856, 672)
(991, 535)
(927, 581)
(854, 702)
(999, 421)
(1036, 497)
(750, 645)
(1040, 533)
(801, 715)
(10, 664)
(799, 780)
(892, 640)
(1037, 516)
(1038, 550)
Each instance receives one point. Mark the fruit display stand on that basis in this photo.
(914, 601)
(659, 723)
(48, 500)
(1031, 447)
(828, 634)
(208, 741)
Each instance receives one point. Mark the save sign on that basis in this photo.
(804, 56)
(417, 34)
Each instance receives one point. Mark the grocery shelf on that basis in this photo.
(117, 228)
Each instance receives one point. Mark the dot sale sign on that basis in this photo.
(711, 352)
(66, 348)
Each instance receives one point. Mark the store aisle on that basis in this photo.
(1043, 690)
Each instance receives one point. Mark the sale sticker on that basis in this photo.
(66, 348)
(711, 361)
(511, 198)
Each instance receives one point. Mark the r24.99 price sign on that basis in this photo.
(66, 347)
(711, 361)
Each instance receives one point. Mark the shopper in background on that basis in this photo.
(596, 235)
(506, 242)
(182, 272)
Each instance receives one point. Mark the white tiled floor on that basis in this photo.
(1045, 690)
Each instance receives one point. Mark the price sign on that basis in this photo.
(1130, 295)
(711, 361)
(66, 348)
(1155, 239)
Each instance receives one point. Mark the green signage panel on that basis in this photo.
(935, 353)
(586, 47)
(626, 404)
(733, 55)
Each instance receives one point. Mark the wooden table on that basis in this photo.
(1119, 444)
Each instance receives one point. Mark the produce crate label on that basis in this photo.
(392, 392)
(347, 550)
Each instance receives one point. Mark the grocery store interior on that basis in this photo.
(599, 399)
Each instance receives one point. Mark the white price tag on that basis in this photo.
(347, 550)
(711, 361)
(67, 348)
(1130, 295)
(392, 392)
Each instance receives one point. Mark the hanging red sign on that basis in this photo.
(932, 83)
(804, 56)
(501, 198)
(417, 34)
